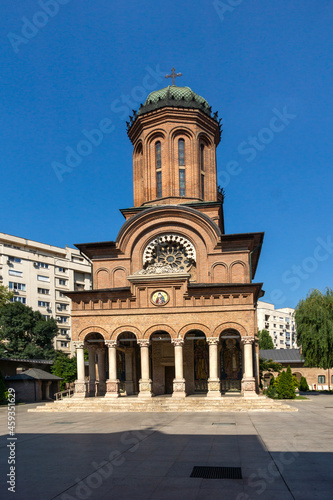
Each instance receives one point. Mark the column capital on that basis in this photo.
(78, 344)
(144, 342)
(247, 340)
(111, 343)
(213, 340)
(100, 350)
(177, 342)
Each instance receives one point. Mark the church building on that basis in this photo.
(173, 304)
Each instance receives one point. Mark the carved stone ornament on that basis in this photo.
(159, 268)
(214, 385)
(249, 386)
(213, 340)
(144, 342)
(177, 342)
(145, 386)
(111, 343)
(178, 386)
(78, 344)
(247, 340)
(171, 250)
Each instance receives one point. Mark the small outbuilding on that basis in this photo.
(34, 385)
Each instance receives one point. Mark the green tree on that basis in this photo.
(25, 333)
(303, 385)
(285, 385)
(267, 366)
(314, 326)
(265, 340)
(5, 295)
(64, 367)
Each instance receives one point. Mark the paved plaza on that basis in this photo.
(68, 456)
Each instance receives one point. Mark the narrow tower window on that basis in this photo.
(158, 155)
(181, 164)
(181, 153)
(202, 169)
(202, 157)
(158, 169)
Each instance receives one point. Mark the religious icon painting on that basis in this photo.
(159, 298)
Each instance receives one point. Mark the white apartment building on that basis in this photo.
(280, 323)
(40, 274)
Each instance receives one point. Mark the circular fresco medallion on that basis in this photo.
(159, 298)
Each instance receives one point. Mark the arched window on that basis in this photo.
(202, 169)
(202, 157)
(158, 161)
(158, 155)
(181, 165)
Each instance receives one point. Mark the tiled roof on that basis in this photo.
(34, 374)
(282, 355)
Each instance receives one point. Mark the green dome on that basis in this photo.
(181, 97)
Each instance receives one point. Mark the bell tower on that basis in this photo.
(174, 137)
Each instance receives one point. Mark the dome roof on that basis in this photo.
(172, 95)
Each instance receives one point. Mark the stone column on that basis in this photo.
(112, 384)
(248, 381)
(145, 382)
(101, 370)
(178, 381)
(92, 370)
(214, 380)
(129, 385)
(80, 384)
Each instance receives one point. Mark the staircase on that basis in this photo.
(165, 404)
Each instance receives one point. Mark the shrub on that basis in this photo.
(303, 385)
(285, 385)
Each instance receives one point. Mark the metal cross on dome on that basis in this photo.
(173, 75)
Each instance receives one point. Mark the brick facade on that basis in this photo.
(173, 247)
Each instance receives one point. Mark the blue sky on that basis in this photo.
(69, 67)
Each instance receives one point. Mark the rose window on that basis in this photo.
(170, 250)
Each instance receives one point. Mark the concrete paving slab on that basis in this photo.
(151, 455)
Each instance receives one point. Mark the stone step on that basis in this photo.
(236, 404)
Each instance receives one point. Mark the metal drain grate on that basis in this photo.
(206, 472)
(223, 423)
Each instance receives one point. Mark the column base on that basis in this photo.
(179, 388)
(145, 388)
(249, 388)
(214, 388)
(80, 389)
(112, 389)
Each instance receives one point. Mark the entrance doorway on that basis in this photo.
(169, 376)
(230, 361)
